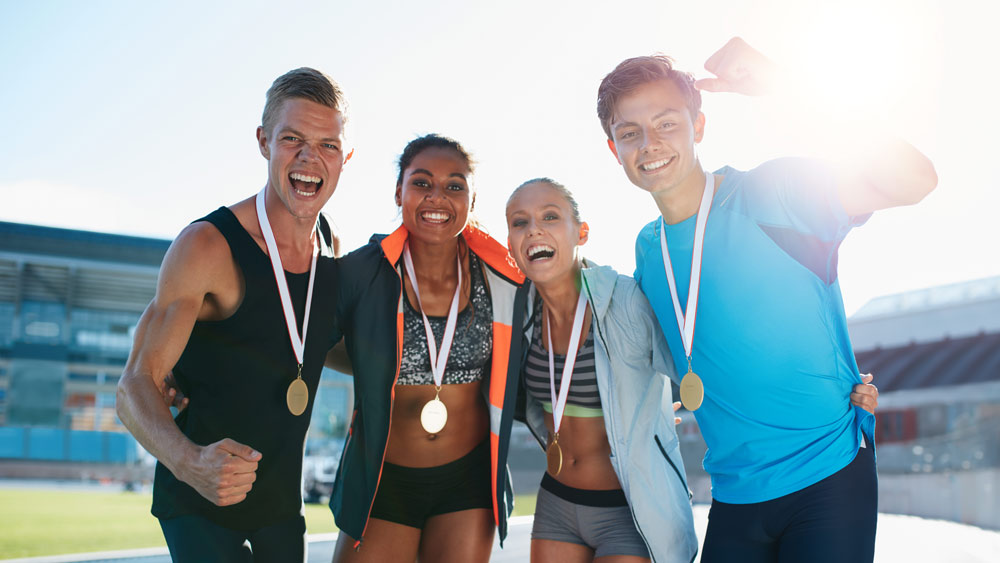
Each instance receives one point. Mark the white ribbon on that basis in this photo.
(685, 322)
(438, 360)
(298, 343)
(559, 403)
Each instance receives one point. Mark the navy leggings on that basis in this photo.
(195, 538)
(832, 521)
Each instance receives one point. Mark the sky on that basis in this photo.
(136, 118)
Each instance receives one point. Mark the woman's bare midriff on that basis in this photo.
(586, 453)
(468, 425)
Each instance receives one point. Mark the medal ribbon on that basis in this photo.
(438, 360)
(559, 403)
(298, 343)
(685, 322)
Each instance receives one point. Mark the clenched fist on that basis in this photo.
(223, 472)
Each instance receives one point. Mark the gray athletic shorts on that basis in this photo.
(567, 514)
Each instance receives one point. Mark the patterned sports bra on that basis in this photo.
(471, 348)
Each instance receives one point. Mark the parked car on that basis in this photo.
(318, 473)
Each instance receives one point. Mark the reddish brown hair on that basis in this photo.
(633, 73)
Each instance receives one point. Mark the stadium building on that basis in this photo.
(69, 303)
(935, 354)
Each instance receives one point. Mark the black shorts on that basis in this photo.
(831, 521)
(411, 495)
(196, 538)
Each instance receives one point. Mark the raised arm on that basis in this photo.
(193, 271)
(887, 173)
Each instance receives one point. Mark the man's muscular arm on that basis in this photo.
(195, 268)
(878, 174)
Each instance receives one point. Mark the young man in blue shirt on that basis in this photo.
(769, 364)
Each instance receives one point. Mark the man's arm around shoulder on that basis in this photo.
(195, 282)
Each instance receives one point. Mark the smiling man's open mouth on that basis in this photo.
(655, 165)
(304, 184)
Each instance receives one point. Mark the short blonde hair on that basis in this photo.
(307, 83)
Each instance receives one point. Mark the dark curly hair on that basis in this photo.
(430, 141)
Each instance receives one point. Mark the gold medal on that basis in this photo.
(692, 391)
(553, 453)
(297, 396)
(434, 416)
(553, 456)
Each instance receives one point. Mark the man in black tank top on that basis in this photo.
(245, 353)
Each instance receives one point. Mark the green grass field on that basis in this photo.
(48, 522)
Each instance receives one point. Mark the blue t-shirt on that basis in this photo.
(770, 342)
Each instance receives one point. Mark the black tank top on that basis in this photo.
(235, 373)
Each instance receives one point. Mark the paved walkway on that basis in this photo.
(900, 539)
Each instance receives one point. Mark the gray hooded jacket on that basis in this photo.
(632, 360)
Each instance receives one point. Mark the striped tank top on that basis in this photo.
(584, 399)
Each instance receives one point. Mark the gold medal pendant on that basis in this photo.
(692, 391)
(553, 456)
(434, 415)
(297, 396)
